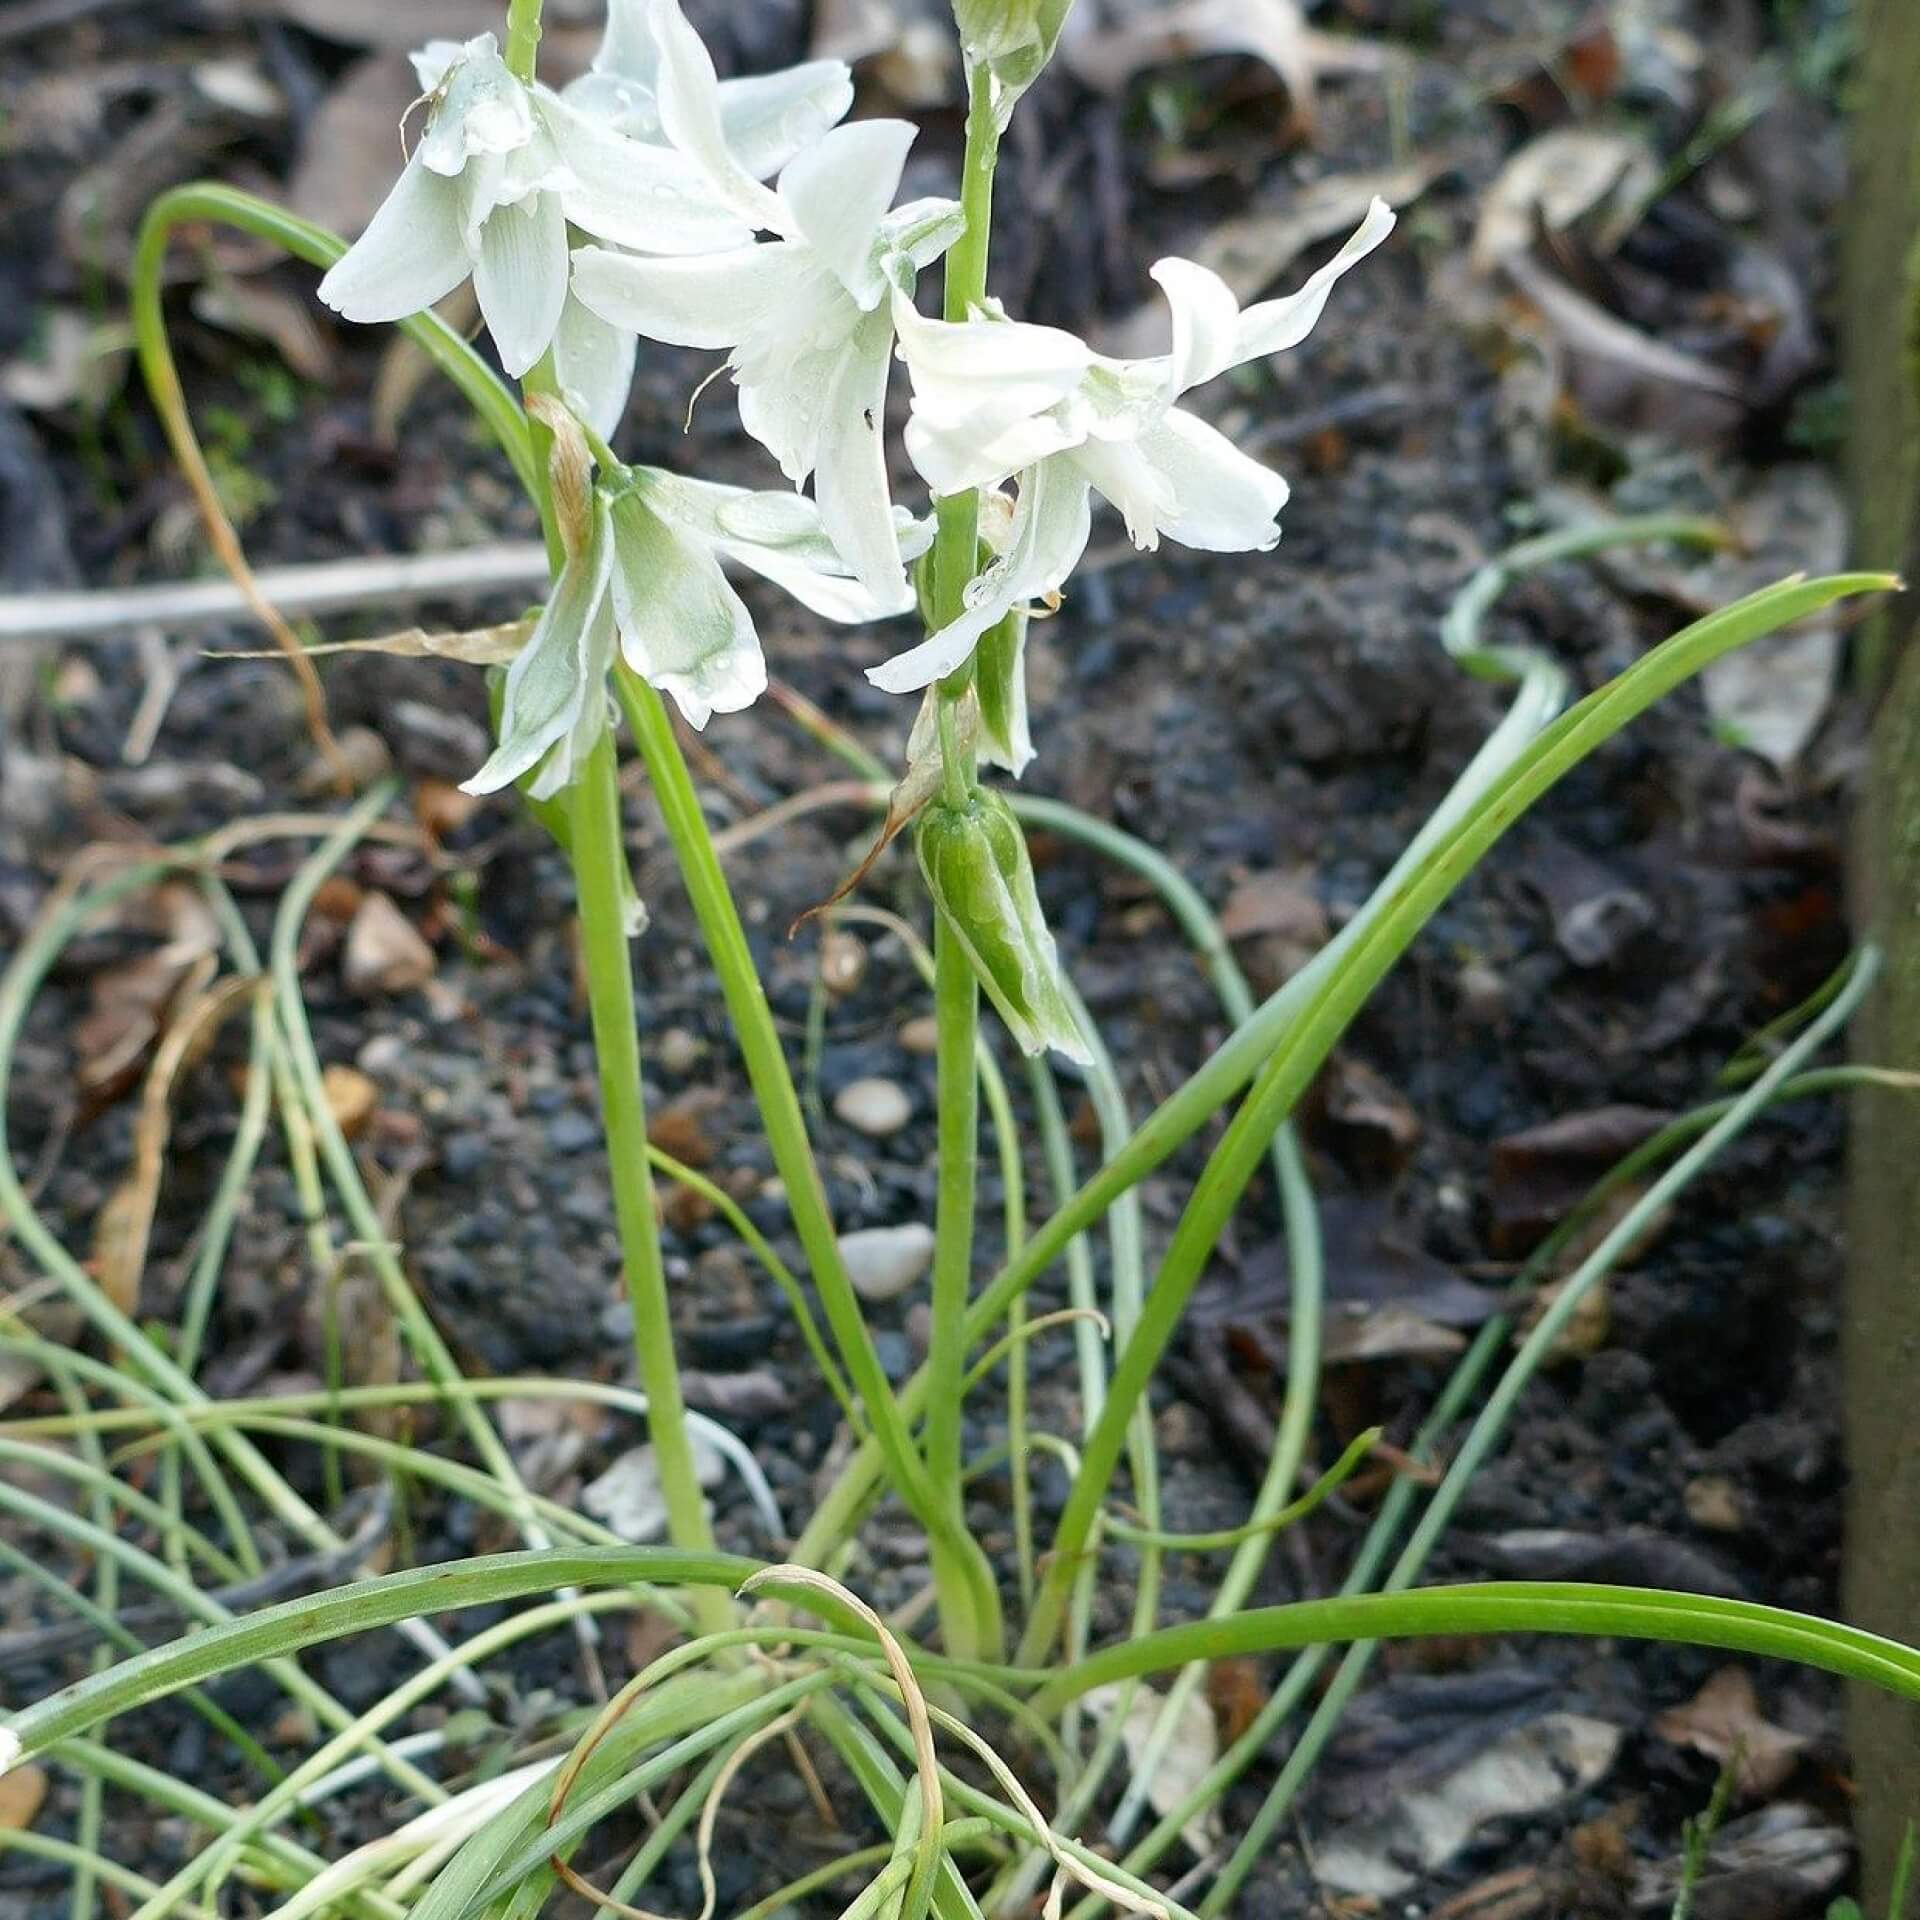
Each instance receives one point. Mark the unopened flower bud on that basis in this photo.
(975, 861)
(1013, 39)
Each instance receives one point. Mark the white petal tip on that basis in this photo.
(10, 1749)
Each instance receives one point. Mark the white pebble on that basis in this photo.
(874, 1107)
(884, 1261)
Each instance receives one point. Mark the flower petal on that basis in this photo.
(922, 230)
(687, 92)
(1274, 325)
(702, 300)
(839, 190)
(568, 755)
(1123, 472)
(413, 252)
(1206, 320)
(479, 107)
(683, 629)
(768, 118)
(627, 46)
(1050, 529)
(634, 193)
(981, 393)
(554, 680)
(850, 464)
(593, 366)
(780, 537)
(521, 278)
(952, 458)
(1222, 501)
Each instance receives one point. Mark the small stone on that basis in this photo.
(572, 1131)
(843, 962)
(351, 1098)
(363, 756)
(1713, 1503)
(874, 1107)
(885, 1261)
(678, 1051)
(442, 808)
(385, 952)
(921, 1035)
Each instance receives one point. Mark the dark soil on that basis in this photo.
(1287, 715)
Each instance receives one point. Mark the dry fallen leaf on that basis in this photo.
(1105, 58)
(130, 1002)
(1190, 1753)
(1723, 1719)
(263, 310)
(1778, 1862)
(1554, 180)
(1275, 902)
(1526, 1771)
(628, 1496)
(1624, 381)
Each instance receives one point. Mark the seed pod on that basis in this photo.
(975, 861)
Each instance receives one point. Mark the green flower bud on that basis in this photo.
(975, 861)
(1013, 39)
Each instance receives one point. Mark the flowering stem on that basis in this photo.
(599, 862)
(523, 38)
(966, 1581)
(956, 1003)
(957, 515)
(956, 991)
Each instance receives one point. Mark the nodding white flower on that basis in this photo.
(646, 579)
(993, 399)
(764, 119)
(503, 168)
(806, 316)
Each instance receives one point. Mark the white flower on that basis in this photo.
(647, 579)
(994, 398)
(806, 316)
(765, 119)
(503, 168)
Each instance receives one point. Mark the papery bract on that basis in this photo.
(993, 398)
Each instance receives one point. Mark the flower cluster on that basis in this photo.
(634, 203)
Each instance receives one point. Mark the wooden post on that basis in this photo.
(1881, 1348)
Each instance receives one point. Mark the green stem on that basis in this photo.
(779, 1104)
(956, 1000)
(599, 859)
(957, 515)
(523, 38)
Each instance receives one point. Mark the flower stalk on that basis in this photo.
(599, 866)
(956, 990)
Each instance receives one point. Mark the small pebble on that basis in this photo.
(885, 1261)
(385, 952)
(678, 1051)
(351, 1097)
(874, 1107)
(921, 1035)
(843, 962)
